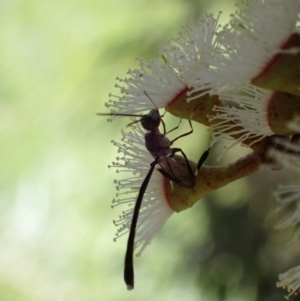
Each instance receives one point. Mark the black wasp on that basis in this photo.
(172, 166)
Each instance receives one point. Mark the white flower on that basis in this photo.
(290, 220)
(257, 33)
(287, 194)
(153, 86)
(244, 115)
(205, 59)
(187, 60)
(287, 154)
(194, 53)
(290, 280)
(155, 209)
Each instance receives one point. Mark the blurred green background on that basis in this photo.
(59, 61)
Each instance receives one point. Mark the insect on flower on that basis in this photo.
(172, 166)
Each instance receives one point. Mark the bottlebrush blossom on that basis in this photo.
(155, 209)
(255, 35)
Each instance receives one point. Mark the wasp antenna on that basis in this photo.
(133, 122)
(151, 100)
(119, 114)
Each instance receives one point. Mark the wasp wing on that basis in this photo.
(179, 170)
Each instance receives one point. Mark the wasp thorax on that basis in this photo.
(151, 120)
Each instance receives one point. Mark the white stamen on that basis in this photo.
(160, 82)
(290, 281)
(245, 115)
(287, 154)
(254, 35)
(194, 53)
(155, 209)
